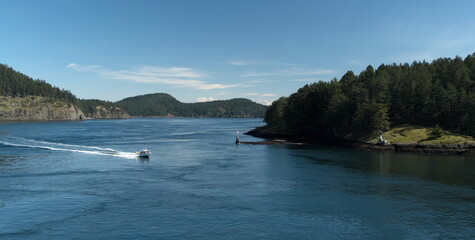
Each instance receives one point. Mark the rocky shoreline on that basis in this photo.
(37, 108)
(366, 146)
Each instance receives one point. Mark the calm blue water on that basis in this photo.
(80, 180)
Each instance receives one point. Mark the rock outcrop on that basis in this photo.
(104, 112)
(263, 132)
(35, 108)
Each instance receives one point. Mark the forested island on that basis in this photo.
(432, 104)
(23, 98)
(164, 105)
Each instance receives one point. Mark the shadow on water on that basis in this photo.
(144, 160)
(456, 170)
(8, 160)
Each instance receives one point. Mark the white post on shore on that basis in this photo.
(237, 137)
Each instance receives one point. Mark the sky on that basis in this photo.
(215, 50)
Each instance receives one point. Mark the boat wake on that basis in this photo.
(29, 143)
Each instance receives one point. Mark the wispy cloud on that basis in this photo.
(90, 68)
(205, 99)
(259, 81)
(291, 72)
(259, 62)
(260, 94)
(247, 62)
(178, 76)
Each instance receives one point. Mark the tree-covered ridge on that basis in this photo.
(162, 104)
(237, 107)
(16, 84)
(149, 104)
(441, 93)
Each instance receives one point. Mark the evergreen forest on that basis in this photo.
(162, 104)
(440, 93)
(16, 84)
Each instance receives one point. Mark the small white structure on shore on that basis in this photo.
(381, 141)
(237, 137)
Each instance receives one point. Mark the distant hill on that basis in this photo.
(163, 105)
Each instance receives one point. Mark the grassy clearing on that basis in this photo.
(422, 135)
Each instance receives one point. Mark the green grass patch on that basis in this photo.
(422, 135)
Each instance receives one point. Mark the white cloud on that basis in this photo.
(265, 102)
(291, 72)
(205, 99)
(178, 76)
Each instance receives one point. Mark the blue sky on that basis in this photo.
(202, 50)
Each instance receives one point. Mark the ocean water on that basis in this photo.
(81, 180)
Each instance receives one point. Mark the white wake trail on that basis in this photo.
(29, 143)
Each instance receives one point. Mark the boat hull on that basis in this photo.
(144, 154)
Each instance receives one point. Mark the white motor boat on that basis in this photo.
(144, 153)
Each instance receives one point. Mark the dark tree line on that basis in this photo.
(428, 94)
(16, 84)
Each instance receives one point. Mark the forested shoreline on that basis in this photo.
(440, 93)
(19, 90)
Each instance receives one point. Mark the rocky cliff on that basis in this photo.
(35, 108)
(99, 109)
(105, 112)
